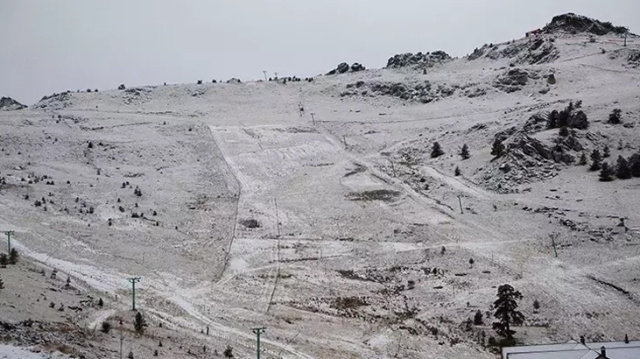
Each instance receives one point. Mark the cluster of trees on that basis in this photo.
(12, 258)
(623, 169)
(567, 118)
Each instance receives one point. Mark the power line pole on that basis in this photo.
(9, 233)
(121, 339)
(257, 332)
(393, 168)
(265, 74)
(277, 220)
(313, 118)
(460, 202)
(133, 281)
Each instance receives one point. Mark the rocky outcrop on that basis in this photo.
(514, 80)
(573, 24)
(344, 67)
(54, 101)
(418, 60)
(423, 92)
(9, 104)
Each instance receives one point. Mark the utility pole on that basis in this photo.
(625, 37)
(393, 168)
(313, 118)
(133, 281)
(265, 74)
(277, 220)
(257, 332)
(9, 233)
(344, 139)
(275, 73)
(553, 243)
(460, 202)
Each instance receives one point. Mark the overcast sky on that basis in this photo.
(52, 46)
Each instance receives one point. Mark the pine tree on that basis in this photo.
(1, 284)
(606, 172)
(596, 160)
(552, 119)
(634, 165)
(457, 171)
(4, 260)
(583, 159)
(506, 312)
(436, 150)
(477, 318)
(100, 303)
(13, 256)
(622, 168)
(464, 153)
(139, 323)
(606, 153)
(497, 149)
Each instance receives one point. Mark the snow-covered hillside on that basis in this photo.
(333, 226)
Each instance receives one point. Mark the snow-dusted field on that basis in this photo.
(323, 229)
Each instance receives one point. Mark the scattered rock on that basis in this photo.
(419, 60)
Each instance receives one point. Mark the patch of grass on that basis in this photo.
(374, 195)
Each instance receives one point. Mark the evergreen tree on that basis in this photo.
(596, 160)
(583, 159)
(477, 318)
(506, 312)
(606, 153)
(436, 150)
(634, 165)
(4, 260)
(228, 353)
(622, 168)
(606, 172)
(457, 171)
(139, 323)
(100, 303)
(536, 305)
(497, 149)
(464, 153)
(1, 284)
(13, 256)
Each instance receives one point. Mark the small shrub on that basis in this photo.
(615, 117)
(199, 82)
(100, 303)
(4, 260)
(37, 203)
(137, 191)
(536, 305)
(250, 223)
(564, 131)
(634, 164)
(106, 327)
(443, 250)
(130, 356)
(606, 152)
(457, 171)
(90, 145)
(228, 353)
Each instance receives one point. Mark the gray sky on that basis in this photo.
(53, 46)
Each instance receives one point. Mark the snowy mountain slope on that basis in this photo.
(338, 231)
